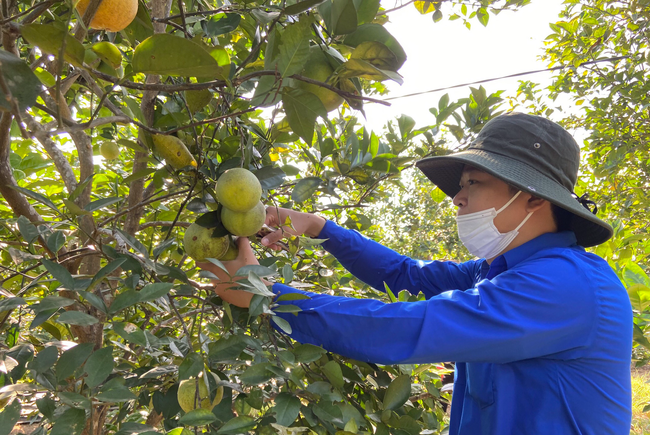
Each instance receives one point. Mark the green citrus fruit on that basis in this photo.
(199, 243)
(318, 68)
(197, 100)
(187, 395)
(232, 252)
(173, 150)
(245, 223)
(238, 189)
(109, 150)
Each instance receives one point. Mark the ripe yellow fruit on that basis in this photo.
(187, 395)
(318, 68)
(245, 223)
(238, 189)
(109, 150)
(112, 15)
(199, 243)
(231, 253)
(173, 150)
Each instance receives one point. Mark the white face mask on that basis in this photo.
(481, 237)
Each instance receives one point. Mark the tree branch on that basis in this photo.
(60, 161)
(159, 9)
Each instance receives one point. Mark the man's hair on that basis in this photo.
(561, 217)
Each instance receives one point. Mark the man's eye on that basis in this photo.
(470, 182)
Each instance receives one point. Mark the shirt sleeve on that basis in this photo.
(522, 313)
(376, 264)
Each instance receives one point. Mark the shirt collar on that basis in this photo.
(515, 256)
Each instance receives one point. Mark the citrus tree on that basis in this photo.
(118, 118)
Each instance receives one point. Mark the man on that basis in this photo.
(540, 330)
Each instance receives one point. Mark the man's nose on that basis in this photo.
(459, 199)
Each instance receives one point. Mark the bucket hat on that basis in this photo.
(532, 154)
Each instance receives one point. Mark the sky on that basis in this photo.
(446, 53)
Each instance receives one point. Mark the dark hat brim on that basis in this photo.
(445, 172)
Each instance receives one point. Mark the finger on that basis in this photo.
(272, 216)
(272, 238)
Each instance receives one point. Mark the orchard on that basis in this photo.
(139, 138)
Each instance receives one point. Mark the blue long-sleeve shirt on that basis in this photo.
(542, 337)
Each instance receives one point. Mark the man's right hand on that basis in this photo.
(300, 224)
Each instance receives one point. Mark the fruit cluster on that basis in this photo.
(242, 214)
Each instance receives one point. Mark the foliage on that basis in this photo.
(102, 314)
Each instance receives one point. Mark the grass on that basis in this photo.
(640, 398)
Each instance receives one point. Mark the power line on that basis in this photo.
(609, 59)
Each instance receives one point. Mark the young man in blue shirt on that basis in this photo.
(539, 329)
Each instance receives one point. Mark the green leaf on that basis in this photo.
(154, 291)
(282, 324)
(36, 196)
(286, 409)
(376, 32)
(483, 16)
(220, 24)
(301, 7)
(46, 405)
(294, 49)
(72, 359)
(23, 84)
(167, 54)
(257, 269)
(45, 359)
(98, 366)
(117, 393)
(237, 425)
(191, 366)
(77, 318)
(287, 309)
(305, 188)
(11, 304)
(270, 177)
(60, 273)
(292, 297)
(101, 203)
(9, 417)
(134, 243)
(398, 392)
(302, 109)
(74, 400)
(306, 353)
(361, 68)
(366, 10)
(56, 241)
(141, 27)
(226, 349)
(71, 422)
(105, 271)
(332, 371)
(340, 16)
(634, 274)
(49, 39)
(257, 374)
(259, 287)
(124, 300)
(198, 417)
(27, 230)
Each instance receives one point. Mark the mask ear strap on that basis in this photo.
(509, 202)
(524, 221)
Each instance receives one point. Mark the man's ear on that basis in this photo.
(535, 203)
